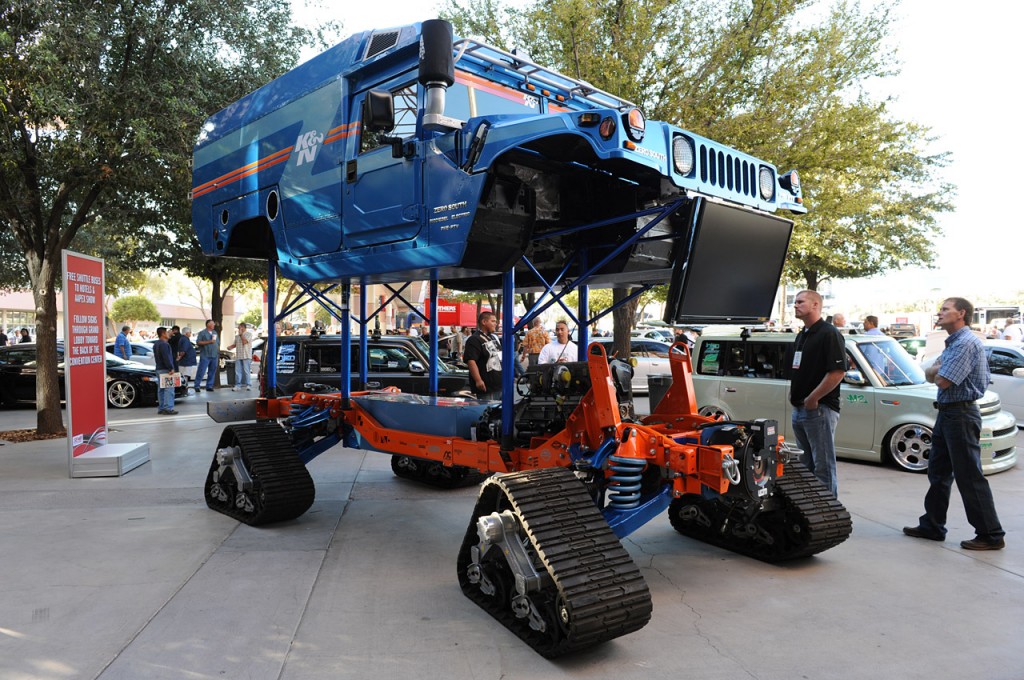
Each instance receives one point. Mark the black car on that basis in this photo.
(128, 383)
(393, 361)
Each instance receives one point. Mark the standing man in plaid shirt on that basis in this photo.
(535, 340)
(961, 372)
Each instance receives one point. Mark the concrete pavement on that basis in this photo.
(133, 577)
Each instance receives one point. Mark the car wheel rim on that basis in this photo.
(713, 412)
(121, 395)
(910, 447)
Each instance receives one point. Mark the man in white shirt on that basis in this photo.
(1013, 332)
(561, 349)
(243, 357)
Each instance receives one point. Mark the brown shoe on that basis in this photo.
(979, 543)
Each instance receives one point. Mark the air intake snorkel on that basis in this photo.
(436, 73)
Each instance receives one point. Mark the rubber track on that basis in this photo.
(282, 486)
(454, 477)
(811, 520)
(594, 577)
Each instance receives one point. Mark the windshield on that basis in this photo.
(425, 351)
(891, 363)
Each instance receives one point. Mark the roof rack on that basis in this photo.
(519, 66)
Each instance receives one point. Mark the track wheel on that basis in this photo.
(257, 477)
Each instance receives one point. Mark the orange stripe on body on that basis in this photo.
(333, 135)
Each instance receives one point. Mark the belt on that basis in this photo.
(952, 404)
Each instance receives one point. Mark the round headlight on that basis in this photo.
(682, 154)
(766, 179)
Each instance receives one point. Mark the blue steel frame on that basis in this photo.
(508, 326)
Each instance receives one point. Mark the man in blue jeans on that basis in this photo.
(208, 347)
(819, 364)
(962, 374)
(164, 366)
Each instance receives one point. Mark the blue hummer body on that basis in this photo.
(497, 166)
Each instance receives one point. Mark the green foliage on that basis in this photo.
(100, 104)
(253, 318)
(783, 80)
(133, 308)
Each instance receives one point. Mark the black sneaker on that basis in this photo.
(979, 543)
(921, 532)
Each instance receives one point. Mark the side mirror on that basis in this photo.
(378, 111)
(416, 367)
(853, 377)
(1018, 373)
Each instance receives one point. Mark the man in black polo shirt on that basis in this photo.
(819, 364)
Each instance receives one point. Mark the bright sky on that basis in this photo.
(960, 73)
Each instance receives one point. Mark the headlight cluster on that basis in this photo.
(682, 154)
(766, 180)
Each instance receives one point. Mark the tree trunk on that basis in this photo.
(49, 419)
(623, 319)
(217, 314)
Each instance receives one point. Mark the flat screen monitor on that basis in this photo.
(730, 271)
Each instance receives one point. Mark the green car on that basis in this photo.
(887, 406)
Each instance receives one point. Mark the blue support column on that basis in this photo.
(270, 350)
(364, 346)
(433, 333)
(583, 332)
(508, 357)
(346, 343)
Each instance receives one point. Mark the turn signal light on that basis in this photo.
(607, 128)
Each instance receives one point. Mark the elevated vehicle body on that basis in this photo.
(886, 405)
(403, 154)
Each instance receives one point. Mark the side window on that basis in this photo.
(389, 360)
(767, 360)
(406, 111)
(20, 357)
(709, 362)
(324, 358)
(1003, 363)
(655, 349)
(473, 96)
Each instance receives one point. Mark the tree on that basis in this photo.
(133, 308)
(253, 318)
(771, 79)
(100, 103)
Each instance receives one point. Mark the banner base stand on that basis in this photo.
(110, 460)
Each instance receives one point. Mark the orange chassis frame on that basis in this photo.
(595, 419)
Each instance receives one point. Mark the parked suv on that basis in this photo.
(393, 361)
(887, 406)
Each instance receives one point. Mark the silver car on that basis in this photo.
(887, 406)
(1006, 366)
(651, 359)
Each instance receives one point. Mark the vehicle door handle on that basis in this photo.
(351, 170)
(730, 389)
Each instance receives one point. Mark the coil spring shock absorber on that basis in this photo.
(624, 482)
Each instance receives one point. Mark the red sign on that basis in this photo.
(455, 313)
(85, 366)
